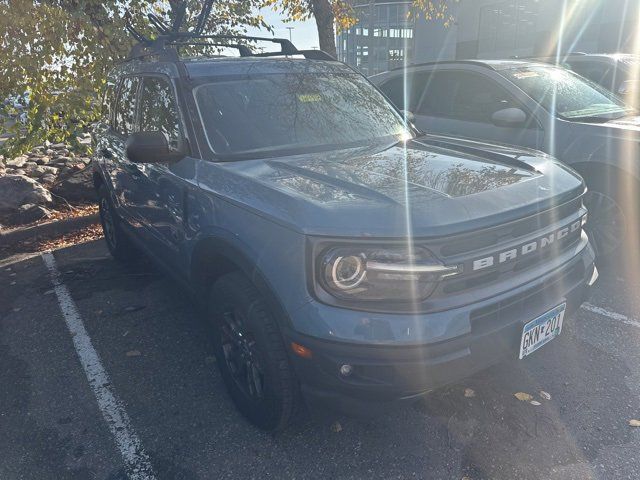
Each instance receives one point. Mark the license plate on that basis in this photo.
(542, 330)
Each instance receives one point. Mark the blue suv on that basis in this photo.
(345, 259)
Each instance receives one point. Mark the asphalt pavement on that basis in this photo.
(107, 372)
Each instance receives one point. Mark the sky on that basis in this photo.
(304, 34)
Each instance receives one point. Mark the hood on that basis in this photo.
(432, 186)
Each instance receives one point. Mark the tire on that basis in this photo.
(251, 354)
(612, 205)
(119, 245)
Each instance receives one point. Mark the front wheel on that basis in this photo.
(608, 224)
(251, 353)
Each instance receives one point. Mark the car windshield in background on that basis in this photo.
(568, 95)
(292, 113)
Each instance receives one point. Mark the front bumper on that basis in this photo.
(385, 374)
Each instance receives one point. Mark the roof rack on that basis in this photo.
(166, 46)
(170, 39)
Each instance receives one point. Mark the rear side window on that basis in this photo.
(414, 86)
(158, 111)
(125, 114)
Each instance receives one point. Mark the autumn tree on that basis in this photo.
(332, 15)
(59, 51)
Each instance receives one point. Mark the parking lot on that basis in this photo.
(152, 404)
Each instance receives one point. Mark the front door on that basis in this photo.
(462, 103)
(160, 188)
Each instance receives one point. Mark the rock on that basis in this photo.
(63, 159)
(58, 146)
(18, 190)
(18, 171)
(40, 170)
(85, 160)
(43, 160)
(29, 165)
(79, 166)
(78, 186)
(50, 170)
(48, 179)
(49, 152)
(30, 213)
(17, 162)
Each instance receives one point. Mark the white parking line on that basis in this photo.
(136, 461)
(613, 315)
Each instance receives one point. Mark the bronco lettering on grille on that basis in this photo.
(527, 248)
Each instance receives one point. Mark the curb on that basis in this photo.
(56, 227)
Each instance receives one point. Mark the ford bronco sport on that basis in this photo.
(346, 260)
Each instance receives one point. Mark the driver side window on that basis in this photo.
(477, 98)
(158, 110)
(465, 96)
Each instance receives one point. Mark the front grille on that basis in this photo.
(495, 236)
(514, 236)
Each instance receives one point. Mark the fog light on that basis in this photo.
(345, 370)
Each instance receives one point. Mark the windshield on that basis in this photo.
(570, 97)
(293, 113)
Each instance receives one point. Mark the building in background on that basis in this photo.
(386, 37)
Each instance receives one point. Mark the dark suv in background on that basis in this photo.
(342, 256)
(617, 72)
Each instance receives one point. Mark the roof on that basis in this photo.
(207, 67)
(496, 65)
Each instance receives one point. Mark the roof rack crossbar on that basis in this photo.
(242, 49)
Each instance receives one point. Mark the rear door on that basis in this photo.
(112, 148)
(461, 103)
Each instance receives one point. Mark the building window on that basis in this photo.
(508, 25)
(396, 54)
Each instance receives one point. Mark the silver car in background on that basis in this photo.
(539, 106)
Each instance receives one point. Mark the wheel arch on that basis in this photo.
(214, 256)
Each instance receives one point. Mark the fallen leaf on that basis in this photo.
(12, 283)
(49, 292)
(336, 427)
(523, 397)
(12, 274)
(536, 403)
(469, 393)
(17, 309)
(545, 395)
(125, 333)
(133, 353)
(634, 423)
(209, 360)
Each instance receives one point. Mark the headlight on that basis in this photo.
(371, 273)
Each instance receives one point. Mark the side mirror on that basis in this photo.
(408, 115)
(150, 147)
(510, 118)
